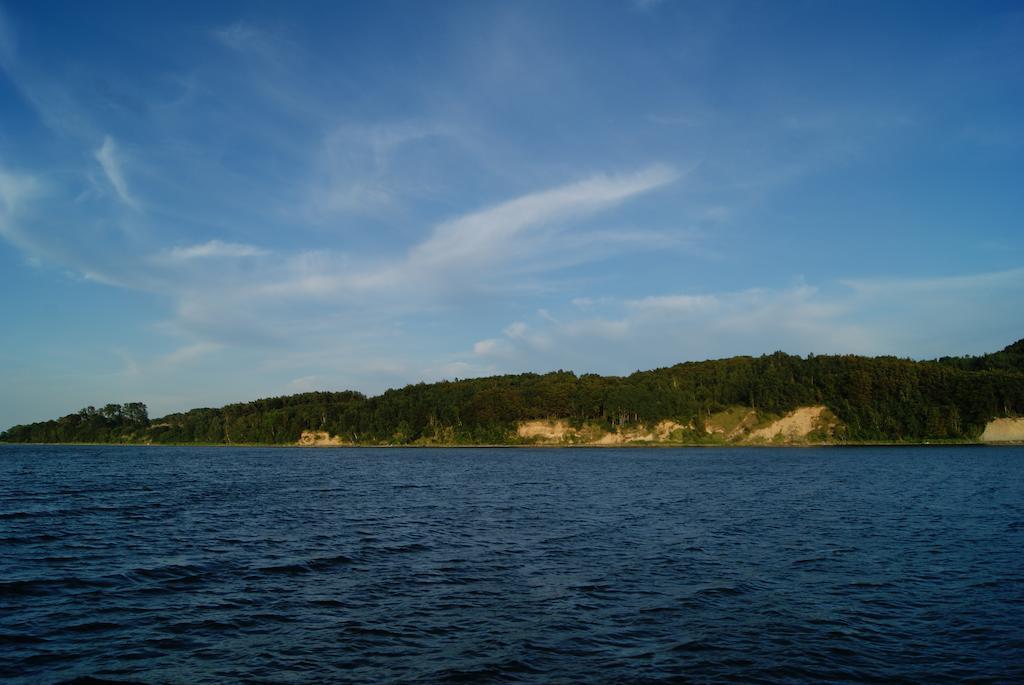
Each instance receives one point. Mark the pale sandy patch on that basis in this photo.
(548, 431)
(1004, 430)
(664, 429)
(609, 439)
(319, 439)
(661, 433)
(797, 424)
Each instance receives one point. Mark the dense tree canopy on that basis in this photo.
(881, 398)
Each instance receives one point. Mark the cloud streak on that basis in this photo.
(110, 161)
(15, 191)
(214, 249)
(482, 246)
(484, 236)
(923, 318)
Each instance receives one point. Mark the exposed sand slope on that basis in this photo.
(546, 431)
(554, 432)
(319, 439)
(737, 424)
(1004, 430)
(664, 429)
(796, 425)
(622, 437)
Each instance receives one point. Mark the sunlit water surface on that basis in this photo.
(195, 565)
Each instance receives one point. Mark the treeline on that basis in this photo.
(879, 398)
(112, 423)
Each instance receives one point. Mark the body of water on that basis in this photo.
(196, 565)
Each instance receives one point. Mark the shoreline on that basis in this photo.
(950, 443)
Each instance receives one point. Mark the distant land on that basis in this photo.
(775, 399)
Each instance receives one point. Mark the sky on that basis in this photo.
(203, 203)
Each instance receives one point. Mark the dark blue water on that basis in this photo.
(192, 565)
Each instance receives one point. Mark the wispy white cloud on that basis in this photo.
(483, 246)
(674, 303)
(355, 169)
(240, 36)
(716, 214)
(520, 332)
(16, 190)
(684, 120)
(648, 4)
(108, 157)
(480, 238)
(482, 348)
(305, 384)
(189, 353)
(879, 287)
(906, 317)
(214, 249)
(269, 47)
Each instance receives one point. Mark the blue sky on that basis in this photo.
(217, 202)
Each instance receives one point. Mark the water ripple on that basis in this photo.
(192, 565)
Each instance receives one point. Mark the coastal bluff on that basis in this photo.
(319, 439)
(773, 399)
(1004, 430)
(735, 425)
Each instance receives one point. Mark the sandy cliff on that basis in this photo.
(797, 426)
(1004, 430)
(734, 425)
(319, 439)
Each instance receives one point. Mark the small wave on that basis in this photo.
(46, 658)
(692, 646)
(264, 618)
(720, 591)
(30, 539)
(311, 566)
(284, 569)
(598, 591)
(325, 563)
(371, 631)
(206, 625)
(38, 587)
(9, 639)
(405, 549)
(660, 610)
(488, 673)
(333, 603)
(91, 627)
(172, 574)
(869, 584)
(90, 680)
(170, 643)
(11, 515)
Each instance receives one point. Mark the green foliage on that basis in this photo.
(881, 398)
(113, 423)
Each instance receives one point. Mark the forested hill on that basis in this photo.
(872, 398)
